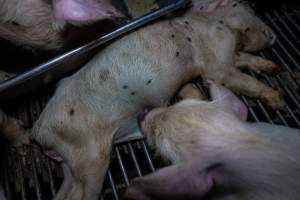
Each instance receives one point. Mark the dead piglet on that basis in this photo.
(216, 154)
(44, 24)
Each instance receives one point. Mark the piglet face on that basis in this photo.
(254, 33)
(84, 11)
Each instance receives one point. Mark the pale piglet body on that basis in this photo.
(143, 69)
(216, 155)
(46, 24)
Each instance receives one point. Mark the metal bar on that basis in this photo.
(23, 190)
(35, 176)
(287, 53)
(113, 186)
(285, 25)
(148, 156)
(253, 114)
(52, 185)
(282, 34)
(124, 173)
(136, 165)
(292, 21)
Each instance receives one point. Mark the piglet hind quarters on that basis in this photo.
(143, 70)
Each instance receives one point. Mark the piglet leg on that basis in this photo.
(178, 182)
(255, 63)
(88, 164)
(190, 91)
(249, 86)
(67, 183)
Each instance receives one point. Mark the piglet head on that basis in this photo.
(223, 100)
(84, 11)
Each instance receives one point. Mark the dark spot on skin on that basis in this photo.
(247, 29)
(234, 5)
(172, 35)
(202, 7)
(71, 112)
(148, 82)
(186, 22)
(132, 93)
(15, 23)
(265, 33)
(177, 53)
(189, 39)
(104, 75)
(221, 22)
(125, 86)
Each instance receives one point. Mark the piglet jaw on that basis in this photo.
(84, 10)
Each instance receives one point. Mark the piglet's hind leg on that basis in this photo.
(249, 86)
(88, 165)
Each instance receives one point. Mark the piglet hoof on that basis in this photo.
(271, 68)
(275, 100)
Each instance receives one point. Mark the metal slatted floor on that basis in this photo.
(29, 175)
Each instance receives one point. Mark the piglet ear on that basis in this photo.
(84, 10)
(180, 182)
(228, 100)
